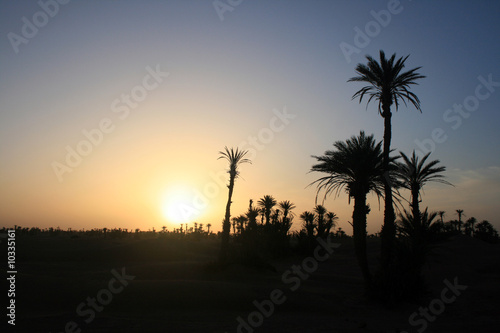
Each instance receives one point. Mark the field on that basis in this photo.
(172, 285)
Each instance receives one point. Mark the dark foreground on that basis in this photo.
(158, 285)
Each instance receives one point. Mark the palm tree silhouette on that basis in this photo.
(356, 166)
(460, 212)
(420, 232)
(331, 222)
(309, 224)
(469, 226)
(389, 85)
(413, 174)
(441, 215)
(209, 225)
(252, 215)
(267, 203)
(287, 207)
(235, 158)
(320, 217)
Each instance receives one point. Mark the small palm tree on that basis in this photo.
(460, 212)
(414, 173)
(208, 228)
(387, 84)
(252, 215)
(309, 225)
(441, 215)
(235, 158)
(287, 207)
(331, 222)
(420, 232)
(470, 225)
(357, 167)
(267, 203)
(320, 217)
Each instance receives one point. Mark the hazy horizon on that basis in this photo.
(169, 84)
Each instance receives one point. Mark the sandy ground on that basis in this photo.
(173, 291)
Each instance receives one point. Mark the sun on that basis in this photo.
(178, 205)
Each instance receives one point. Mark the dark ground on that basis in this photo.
(174, 290)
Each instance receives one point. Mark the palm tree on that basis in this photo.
(389, 85)
(309, 224)
(413, 174)
(331, 222)
(419, 232)
(356, 166)
(469, 226)
(441, 215)
(321, 227)
(208, 227)
(235, 158)
(267, 203)
(252, 215)
(287, 207)
(460, 212)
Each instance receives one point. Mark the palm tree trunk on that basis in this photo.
(359, 235)
(388, 233)
(226, 226)
(415, 206)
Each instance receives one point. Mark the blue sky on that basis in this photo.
(225, 78)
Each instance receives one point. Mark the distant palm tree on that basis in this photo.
(240, 223)
(235, 158)
(320, 217)
(208, 227)
(388, 85)
(460, 212)
(252, 215)
(469, 226)
(267, 203)
(309, 222)
(331, 222)
(287, 207)
(441, 215)
(413, 174)
(421, 231)
(356, 166)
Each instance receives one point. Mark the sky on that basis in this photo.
(113, 113)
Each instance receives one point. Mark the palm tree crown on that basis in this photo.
(356, 166)
(235, 158)
(387, 83)
(267, 203)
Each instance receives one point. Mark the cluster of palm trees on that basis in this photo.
(361, 165)
(279, 218)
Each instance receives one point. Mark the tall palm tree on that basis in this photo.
(357, 167)
(460, 212)
(209, 225)
(413, 174)
(235, 157)
(267, 203)
(388, 85)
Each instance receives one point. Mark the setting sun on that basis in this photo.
(177, 205)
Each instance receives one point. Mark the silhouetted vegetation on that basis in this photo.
(388, 85)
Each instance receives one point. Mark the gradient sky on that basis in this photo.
(227, 80)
